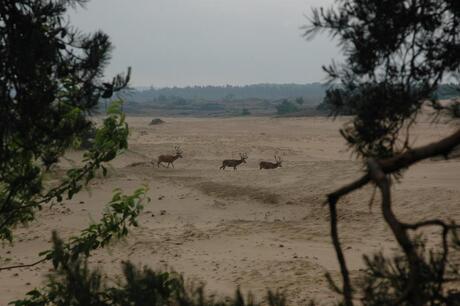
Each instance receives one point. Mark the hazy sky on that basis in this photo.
(210, 42)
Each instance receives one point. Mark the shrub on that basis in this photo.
(286, 107)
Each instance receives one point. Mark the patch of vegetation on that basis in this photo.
(245, 112)
(287, 107)
(156, 121)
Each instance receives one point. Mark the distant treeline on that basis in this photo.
(448, 91)
(259, 100)
(313, 92)
(444, 92)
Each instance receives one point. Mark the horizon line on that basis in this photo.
(223, 85)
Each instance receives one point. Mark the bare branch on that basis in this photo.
(410, 157)
(402, 161)
(347, 290)
(336, 195)
(382, 182)
(24, 266)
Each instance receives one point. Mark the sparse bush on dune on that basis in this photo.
(245, 112)
(156, 121)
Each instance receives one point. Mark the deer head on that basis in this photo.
(243, 157)
(178, 151)
(278, 160)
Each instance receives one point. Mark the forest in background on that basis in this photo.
(225, 101)
(314, 91)
(228, 100)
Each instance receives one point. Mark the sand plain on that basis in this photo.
(252, 228)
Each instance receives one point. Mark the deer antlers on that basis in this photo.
(178, 150)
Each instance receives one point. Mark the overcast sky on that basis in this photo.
(210, 42)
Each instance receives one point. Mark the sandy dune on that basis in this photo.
(252, 228)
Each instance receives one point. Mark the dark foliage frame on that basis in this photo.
(397, 53)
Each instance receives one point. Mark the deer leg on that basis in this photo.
(172, 164)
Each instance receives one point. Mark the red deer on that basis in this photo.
(234, 162)
(270, 165)
(169, 159)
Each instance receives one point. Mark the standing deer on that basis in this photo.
(169, 159)
(270, 165)
(234, 162)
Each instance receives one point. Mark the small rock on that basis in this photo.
(281, 245)
(162, 212)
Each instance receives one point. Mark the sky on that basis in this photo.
(210, 42)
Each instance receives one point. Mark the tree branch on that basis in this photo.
(402, 161)
(377, 172)
(410, 157)
(347, 290)
(24, 266)
(399, 231)
(336, 195)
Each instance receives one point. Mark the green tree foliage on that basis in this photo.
(397, 53)
(50, 82)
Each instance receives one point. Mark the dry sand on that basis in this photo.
(251, 228)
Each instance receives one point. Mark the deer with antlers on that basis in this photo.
(270, 165)
(234, 162)
(169, 159)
